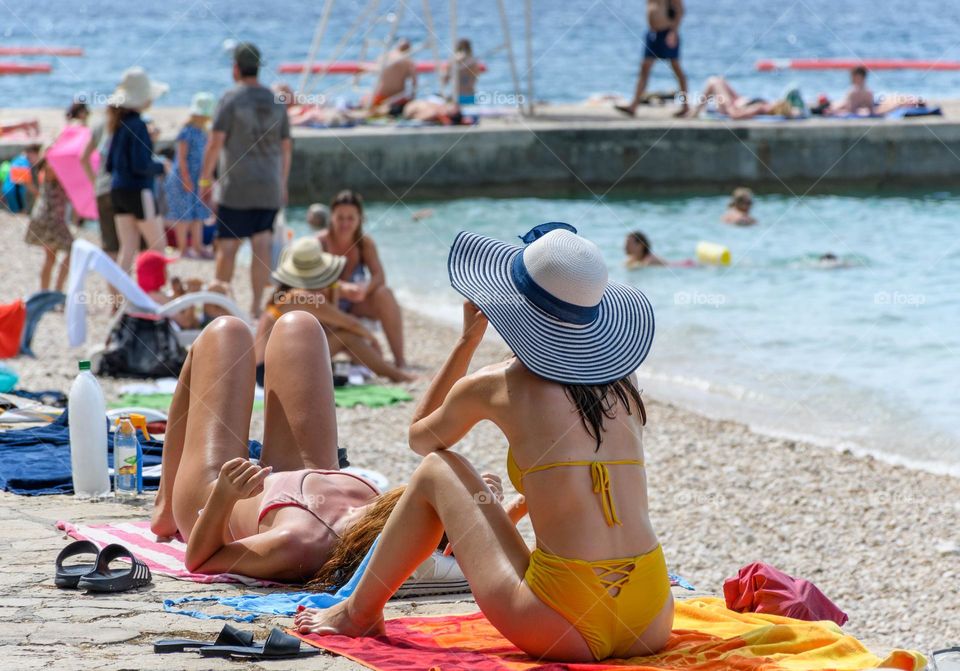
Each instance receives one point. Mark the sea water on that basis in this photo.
(865, 355)
(580, 47)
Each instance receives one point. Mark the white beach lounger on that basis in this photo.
(86, 258)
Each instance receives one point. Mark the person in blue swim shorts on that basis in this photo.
(662, 43)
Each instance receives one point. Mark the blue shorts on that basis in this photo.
(238, 224)
(656, 47)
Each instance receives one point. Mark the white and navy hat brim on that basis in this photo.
(597, 345)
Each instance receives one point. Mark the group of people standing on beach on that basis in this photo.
(234, 174)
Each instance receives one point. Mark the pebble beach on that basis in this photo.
(879, 540)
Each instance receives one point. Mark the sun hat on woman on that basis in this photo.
(136, 90)
(553, 304)
(304, 265)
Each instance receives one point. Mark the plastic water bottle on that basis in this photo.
(127, 460)
(88, 436)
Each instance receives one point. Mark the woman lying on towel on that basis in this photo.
(596, 585)
(280, 520)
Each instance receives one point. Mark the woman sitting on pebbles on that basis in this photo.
(307, 280)
(362, 296)
(596, 583)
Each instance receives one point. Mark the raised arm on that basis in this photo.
(453, 403)
(239, 479)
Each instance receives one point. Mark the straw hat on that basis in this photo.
(136, 90)
(552, 303)
(305, 265)
(202, 104)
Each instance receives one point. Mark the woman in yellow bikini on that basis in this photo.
(595, 586)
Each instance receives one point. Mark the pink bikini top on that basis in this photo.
(285, 489)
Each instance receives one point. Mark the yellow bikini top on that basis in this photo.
(598, 471)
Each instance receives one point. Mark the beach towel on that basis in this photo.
(761, 588)
(64, 157)
(36, 461)
(706, 637)
(369, 395)
(164, 558)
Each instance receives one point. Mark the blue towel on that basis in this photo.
(276, 603)
(37, 461)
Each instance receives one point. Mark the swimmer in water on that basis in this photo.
(738, 209)
(638, 251)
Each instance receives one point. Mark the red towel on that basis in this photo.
(760, 588)
(12, 317)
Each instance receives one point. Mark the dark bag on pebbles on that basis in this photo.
(142, 345)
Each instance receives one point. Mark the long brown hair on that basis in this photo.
(350, 197)
(355, 543)
(595, 402)
(115, 116)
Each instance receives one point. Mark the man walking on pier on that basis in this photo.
(662, 43)
(251, 142)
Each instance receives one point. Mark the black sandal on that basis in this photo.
(67, 577)
(105, 579)
(228, 636)
(277, 646)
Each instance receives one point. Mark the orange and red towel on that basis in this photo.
(706, 637)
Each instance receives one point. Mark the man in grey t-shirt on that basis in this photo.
(251, 143)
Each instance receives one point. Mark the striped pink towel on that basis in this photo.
(163, 558)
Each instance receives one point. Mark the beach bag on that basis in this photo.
(142, 345)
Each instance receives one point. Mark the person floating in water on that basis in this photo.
(638, 251)
(738, 210)
(662, 43)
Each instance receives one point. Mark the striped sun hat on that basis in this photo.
(552, 303)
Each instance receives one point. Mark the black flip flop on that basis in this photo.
(277, 646)
(228, 636)
(105, 579)
(67, 577)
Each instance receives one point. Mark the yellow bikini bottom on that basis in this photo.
(610, 602)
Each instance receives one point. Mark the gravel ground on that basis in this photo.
(880, 540)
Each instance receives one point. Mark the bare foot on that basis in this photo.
(336, 620)
(682, 112)
(629, 110)
(162, 522)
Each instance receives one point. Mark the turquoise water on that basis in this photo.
(865, 356)
(579, 46)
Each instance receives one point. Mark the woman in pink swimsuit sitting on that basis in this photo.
(281, 519)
